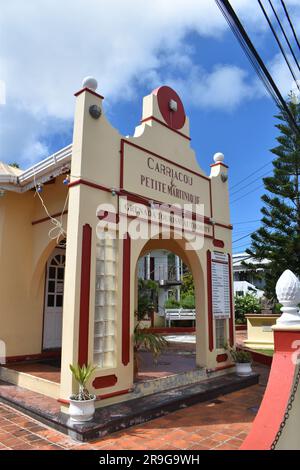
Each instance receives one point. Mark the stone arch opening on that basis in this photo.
(176, 353)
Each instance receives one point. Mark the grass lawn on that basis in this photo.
(266, 352)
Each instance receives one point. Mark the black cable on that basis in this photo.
(279, 43)
(284, 34)
(262, 71)
(246, 222)
(249, 176)
(245, 236)
(249, 184)
(249, 192)
(291, 24)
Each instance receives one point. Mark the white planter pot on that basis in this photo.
(82, 411)
(243, 368)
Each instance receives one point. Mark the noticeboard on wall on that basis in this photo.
(220, 274)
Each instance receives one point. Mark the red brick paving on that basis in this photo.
(204, 426)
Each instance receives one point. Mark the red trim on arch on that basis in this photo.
(106, 381)
(218, 243)
(83, 345)
(63, 401)
(152, 118)
(90, 184)
(126, 301)
(113, 394)
(229, 226)
(219, 163)
(132, 197)
(209, 303)
(231, 319)
(90, 91)
(222, 357)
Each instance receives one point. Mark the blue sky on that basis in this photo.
(132, 48)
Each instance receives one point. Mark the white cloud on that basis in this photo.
(225, 87)
(48, 46)
(281, 74)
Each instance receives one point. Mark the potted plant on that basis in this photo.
(152, 342)
(82, 405)
(242, 361)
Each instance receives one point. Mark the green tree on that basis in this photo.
(14, 165)
(187, 291)
(187, 287)
(147, 298)
(278, 239)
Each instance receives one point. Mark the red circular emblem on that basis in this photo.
(170, 106)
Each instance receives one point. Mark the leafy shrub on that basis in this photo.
(243, 305)
(188, 301)
(239, 355)
(172, 303)
(277, 308)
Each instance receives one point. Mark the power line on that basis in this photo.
(242, 232)
(246, 222)
(284, 34)
(279, 43)
(249, 176)
(249, 192)
(241, 247)
(251, 182)
(256, 61)
(241, 238)
(291, 24)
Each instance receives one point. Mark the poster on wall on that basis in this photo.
(220, 285)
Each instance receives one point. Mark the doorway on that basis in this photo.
(54, 292)
(166, 305)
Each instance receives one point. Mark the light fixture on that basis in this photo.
(173, 105)
(95, 111)
(66, 180)
(224, 177)
(39, 188)
(113, 192)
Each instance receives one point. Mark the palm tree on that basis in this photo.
(153, 342)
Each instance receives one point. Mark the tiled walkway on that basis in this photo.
(221, 424)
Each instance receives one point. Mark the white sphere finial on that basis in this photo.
(90, 82)
(218, 157)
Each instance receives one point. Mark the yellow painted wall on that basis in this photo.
(259, 332)
(25, 249)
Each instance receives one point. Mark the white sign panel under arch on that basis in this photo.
(220, 274)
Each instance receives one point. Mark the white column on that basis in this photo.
(288, 294)
(148, 266)
(177, 267)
